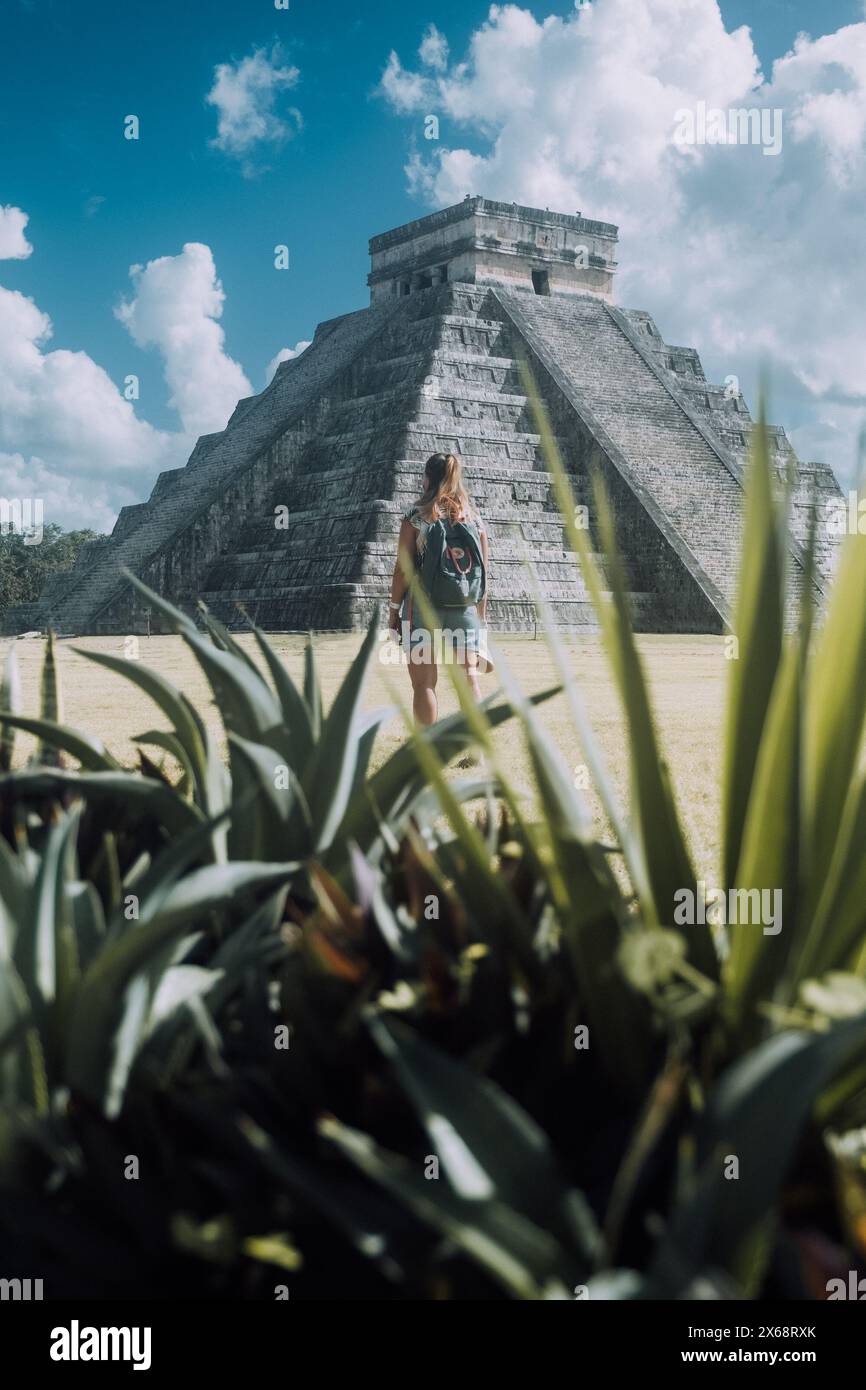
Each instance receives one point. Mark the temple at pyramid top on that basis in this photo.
(482, 242)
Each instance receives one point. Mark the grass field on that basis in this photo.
(687, 676)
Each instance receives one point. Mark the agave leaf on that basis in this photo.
(329, 776)
(312, 689)
(14, 890)
(837, 927)
(134, 1005)
(51, 702)
(171, 744)
(769, 847)
(178, 621)
(368, 730)
(277, 821)
(596, 764)
(425, 807)
(374, 1225)
(759, 627)
(224, 639)
(36, 948)
(475, 716)
(10, 703)
(488, 1147)
(216, 888)
(150, 998)
(220, 795)
(592, 914)
(590, 905)
(247, 705)
(527, 1261)
(667, 864)
(660, 1104)
(244, 700)
(253, 944)
(152, 888)
(393, 787)
(15, 1009)
(296, 713)
(88, 921)
(494, 909)
(173, 706)
(134, 796)
(91, 752)
(756, 1114)
(372, 900)
(835, 712)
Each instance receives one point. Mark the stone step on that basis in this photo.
(477, 367)
(475, 429)
(420, 335)
(691, 486)
(434, 404)
(326, 608)
(500, 507)
(432, 386)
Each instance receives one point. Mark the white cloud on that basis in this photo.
(65, 502)
(434, 49)
(62, 407)
(284, 355)
(406, 91)
(245, 96)
(741, 255)
(176, 307)
(14, 245)
(67, 433)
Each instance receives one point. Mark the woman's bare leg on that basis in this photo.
(424, 676)
(470, 671)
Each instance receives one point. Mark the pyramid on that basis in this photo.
(292, 511)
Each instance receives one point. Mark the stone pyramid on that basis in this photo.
(293, 509)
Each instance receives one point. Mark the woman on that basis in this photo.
(445, 542)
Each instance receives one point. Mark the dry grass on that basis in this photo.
(686, 674)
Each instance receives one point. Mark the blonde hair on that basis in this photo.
(445, 498)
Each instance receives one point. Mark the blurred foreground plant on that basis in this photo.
(364, 1042)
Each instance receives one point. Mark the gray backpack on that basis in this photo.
(452, 567)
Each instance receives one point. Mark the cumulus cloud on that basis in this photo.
(176, 308)
(745, 256)
(65, 502)
(14, 245)
(284, 355)
(434, 49)
(67, 435)
(406, 91)
(246, 95)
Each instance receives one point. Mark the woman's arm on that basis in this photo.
(399, 583)
(485, 555)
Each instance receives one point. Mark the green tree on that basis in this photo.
(24, 568)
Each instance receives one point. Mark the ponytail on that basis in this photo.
(446, 498)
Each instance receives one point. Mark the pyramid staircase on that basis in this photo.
(445, 380)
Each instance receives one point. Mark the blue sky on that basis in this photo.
(98, 204)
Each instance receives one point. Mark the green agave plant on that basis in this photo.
(367, 1040)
